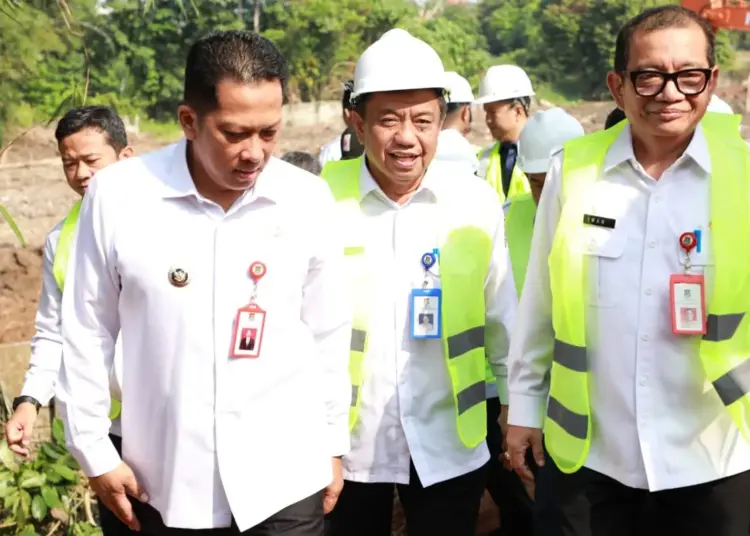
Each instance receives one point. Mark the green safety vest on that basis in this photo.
(724, 349)
(519, 184)
(464, 260)
(60, 268)
(519, 228)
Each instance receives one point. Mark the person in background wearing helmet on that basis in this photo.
(89, 139)
(632, 345)
(545, 131)
(332, 150)
(434, 300)
(505, 92)
(453, 147)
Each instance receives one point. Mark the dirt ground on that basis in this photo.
(33, 190)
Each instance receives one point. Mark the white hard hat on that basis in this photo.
(504, 82)
(398, 61)
(719, 106)
(459, 88)
(545, 132)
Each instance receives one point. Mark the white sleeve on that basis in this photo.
(532, 342)
(326, 310)
(91, 324)
(46, 344)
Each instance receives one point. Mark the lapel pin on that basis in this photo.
(178, 277)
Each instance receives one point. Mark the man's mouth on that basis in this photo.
(404, 161)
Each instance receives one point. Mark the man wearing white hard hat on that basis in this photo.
(434, 299)
(505, 92)
(453, 147)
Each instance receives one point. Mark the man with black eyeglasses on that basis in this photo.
(642, 404)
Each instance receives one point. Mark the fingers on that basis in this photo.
(18, 437)
(121, 507)
(329, 501)
(518, 463)
(134, 489)
(537, 449)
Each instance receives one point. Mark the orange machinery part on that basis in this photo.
(722, 14)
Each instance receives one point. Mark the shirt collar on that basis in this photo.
(622, 150)
(178, 181)
(430, 182)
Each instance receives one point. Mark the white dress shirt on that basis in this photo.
(454, 148)
(330, 151)
(208, 436)
(46, 344)
(657, 422)
(406, 405)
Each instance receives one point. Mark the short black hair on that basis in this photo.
(661, 18)
(346, 98)
(614, 117)
(238, 55)
(99, 118)
(304, 161)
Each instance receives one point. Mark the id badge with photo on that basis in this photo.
(687, 304)
(426, 317)
(248, 331)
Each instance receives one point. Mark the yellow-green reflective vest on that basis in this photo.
(519, 184)
(464, 260)
(519, 228)
(724, 349)
(60, 268)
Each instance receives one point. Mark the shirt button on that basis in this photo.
(648, 292)
(644, 337)
(652, 244)
(643, 382)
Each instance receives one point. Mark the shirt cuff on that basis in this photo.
(42, 394)
(527, 411)
(338, 440)
(99, 458)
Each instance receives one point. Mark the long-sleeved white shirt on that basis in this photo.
(657, 422)
(46, 344)
(208, 436)
(454, 148)
(406, 406)
(330, 151)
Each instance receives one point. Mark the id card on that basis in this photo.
(248, 331)
(687, 304)
(426, 319)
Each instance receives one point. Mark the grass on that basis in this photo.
(547, 93)
(162, 131)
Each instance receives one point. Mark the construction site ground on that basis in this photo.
(34, 191)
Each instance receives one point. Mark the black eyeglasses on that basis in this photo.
(689, 82)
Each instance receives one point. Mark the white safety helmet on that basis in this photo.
(398, 61)
(545, 132)
(459, 88)
(719, 106)
(504, 82)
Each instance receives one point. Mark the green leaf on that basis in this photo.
(6, 487)
(58, 432)
(31, 479)
(51, 451)
(6, 476)
(24, 508)
(64, 472)
(13, 227)
(28, 530)
(52, 476)
(38, 508)
(11, 499)
(7, 458)
(51, 497)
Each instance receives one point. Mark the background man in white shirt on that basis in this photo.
(418, 404)
(453, 146)
(332, 150)
(179, 250)
(660, 434)
(89, 139)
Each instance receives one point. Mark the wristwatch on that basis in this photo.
(30, 399)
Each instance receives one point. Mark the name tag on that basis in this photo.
(426, 317)
(687, 300)
(599, 221)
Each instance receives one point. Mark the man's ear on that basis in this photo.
(127, 152)
(616, 85)
(359, 126)
(188, 119)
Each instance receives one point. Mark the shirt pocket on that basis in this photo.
(604, 249)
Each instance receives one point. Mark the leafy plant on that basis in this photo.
(47, 495)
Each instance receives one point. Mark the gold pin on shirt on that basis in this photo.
(178, 277)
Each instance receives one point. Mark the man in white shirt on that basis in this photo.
(180, 251)
(641, 409)
(453, 147)
(332, 150)
(422, 241)
(89, 139)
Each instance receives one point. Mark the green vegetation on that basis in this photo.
(130, 53)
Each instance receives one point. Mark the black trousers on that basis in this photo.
(111, 525)
(304, 518)
(449, 507)
(505, 487)
(588, 503)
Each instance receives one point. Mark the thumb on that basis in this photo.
(27, 432)
(13, 431)
(134, 489)
(537, 449)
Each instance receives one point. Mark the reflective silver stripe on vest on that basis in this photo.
(573, 423)
(358, 340)
(571, 357)
(471, 396)
(355, 392)
(465, 342)
(722, 327)
(734, 384)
